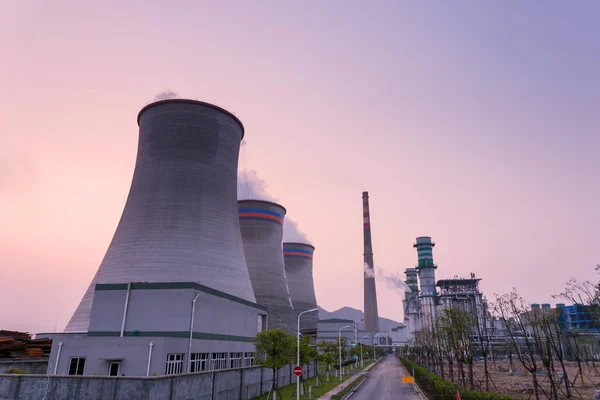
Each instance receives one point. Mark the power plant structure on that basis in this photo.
(421, 307)
(412, 306)
(426, 270)
(173, 293)
(370, 291)
(298, 258)
(261, 225)
(463, 294)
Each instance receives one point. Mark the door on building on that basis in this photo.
(114, 368)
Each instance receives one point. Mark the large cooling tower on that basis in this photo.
(261, 224)
(298, 268)
(180, 222)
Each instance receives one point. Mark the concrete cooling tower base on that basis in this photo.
(173, 292)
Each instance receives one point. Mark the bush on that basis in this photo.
(347, 389)
(345, 363)
(442, 389)
(15, 371)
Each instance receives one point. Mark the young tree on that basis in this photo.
(587, 295)
(537, 321)
(458, 327)
(554, 336)
(483, 335)
(307, 353)
(328, 354)
(511, 308)
(275, 349)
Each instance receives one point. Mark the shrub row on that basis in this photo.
(347, 389)
(440, 388)
(15, 371)
(345, 363)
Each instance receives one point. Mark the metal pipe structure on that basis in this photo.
(340, 348)
(298, 354)
(298, 258)
(261, 226)
(189, 354)
(125, 308)
(60, 345)
(370, 291)
(151, 345)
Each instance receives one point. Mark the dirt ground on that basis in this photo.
(520, 384)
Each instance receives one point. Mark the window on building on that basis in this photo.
(235, 360)
(174, 364)
(219, 361)
(199, 362)
(76, 365)
(114, 367)
(248, 359)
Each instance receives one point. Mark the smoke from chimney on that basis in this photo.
(253, 187)
(393, 280)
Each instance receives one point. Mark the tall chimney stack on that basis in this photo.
(371, 313)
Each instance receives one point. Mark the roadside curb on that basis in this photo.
(419, 391)
(355, 388)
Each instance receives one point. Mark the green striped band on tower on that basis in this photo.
(424, 247)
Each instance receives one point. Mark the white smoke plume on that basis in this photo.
(253, 187)
(393, 280)
(368, 271)
(165, 95)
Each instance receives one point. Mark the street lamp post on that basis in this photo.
(356, 330)
(298, 355)
(373, 337)
(340, 348)
(362, 364)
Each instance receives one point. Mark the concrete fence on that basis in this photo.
(231, 384)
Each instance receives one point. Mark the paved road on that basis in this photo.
(385, 382)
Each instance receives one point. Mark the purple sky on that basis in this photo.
(472, 122)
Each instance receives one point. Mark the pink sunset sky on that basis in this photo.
(475, 123)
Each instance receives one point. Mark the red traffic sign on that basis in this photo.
(297, 370)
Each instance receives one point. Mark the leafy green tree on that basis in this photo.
(328, 353)
(308, 353)
(275, 349)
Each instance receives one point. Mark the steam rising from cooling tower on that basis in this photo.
(261, 224)
(298, 259)
(370, 292)
(165, 95)
(180, 222)
(252, 187)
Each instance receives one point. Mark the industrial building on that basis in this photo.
(261, 225)
(411, 304)
(461, 293)
(173, 292)
(298, 259)
(424, 302)
(330, 330)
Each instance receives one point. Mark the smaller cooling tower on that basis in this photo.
(298, 259)
(261, 225)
